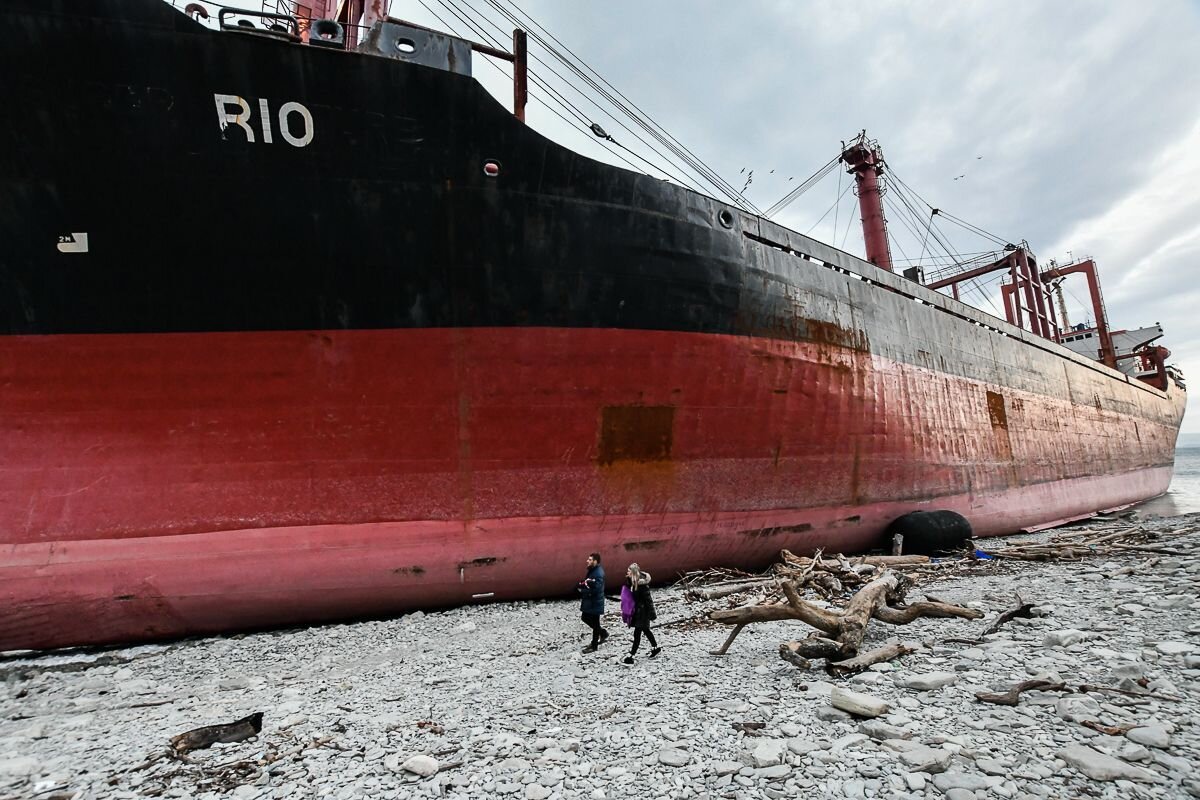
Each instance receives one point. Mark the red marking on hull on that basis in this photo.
(154, 486)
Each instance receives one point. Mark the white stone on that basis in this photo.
(863, 705)
(927, 681)
(535, 791)
(769, 752)
(915, 781)
(727, 767)
(1065, 638)
(1101, 767)
(421, 765)
(1174, 648)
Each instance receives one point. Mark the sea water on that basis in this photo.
(1184, 495)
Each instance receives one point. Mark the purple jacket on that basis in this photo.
(626, 603)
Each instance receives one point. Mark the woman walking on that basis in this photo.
(637, 584)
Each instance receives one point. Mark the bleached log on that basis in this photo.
(887, 652)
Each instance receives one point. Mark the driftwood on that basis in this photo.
(1107, 730)
(1009, 698)
(889, 651)
(200, 738)
(1023, 610)
(724, 590)
(828, 575)
(839, 633)
(1073, 545)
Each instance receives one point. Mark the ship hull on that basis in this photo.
(385, 347)
(164, 485)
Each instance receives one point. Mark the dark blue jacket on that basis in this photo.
(592, 589)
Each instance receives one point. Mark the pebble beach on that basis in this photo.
(498, 701)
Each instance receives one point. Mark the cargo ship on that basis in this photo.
(298, 323)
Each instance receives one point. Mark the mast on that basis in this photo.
(865, 161)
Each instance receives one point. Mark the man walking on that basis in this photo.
(592, 601)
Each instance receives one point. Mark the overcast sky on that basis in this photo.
(1073, 125)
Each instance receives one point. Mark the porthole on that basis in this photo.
(406, 46)
(725, 217)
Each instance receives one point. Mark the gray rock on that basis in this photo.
(1172, 763)
(854, 789)
(831, 714)
(1077, 708)
(992, 766)
(915, 781)
(878, 729)
(1163, 686)
(673, 757)
(1134, 752)
(1150, 736)
(774, 773)
(557, 754)
(927, 681)
(535, 791)
(863, 705)
(960, 794)
(1174, 648)
(805, 746)
(1132, 670)
(1101, 767)
(848, 741)
(918, 757)
(959, 780)
(726, 767)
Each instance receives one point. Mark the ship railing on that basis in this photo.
(279, 19)
(271, 19)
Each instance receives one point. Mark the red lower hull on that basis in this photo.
(155, 486)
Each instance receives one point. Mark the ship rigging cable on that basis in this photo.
(582, 121)
(626, 106)
(808, 183)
